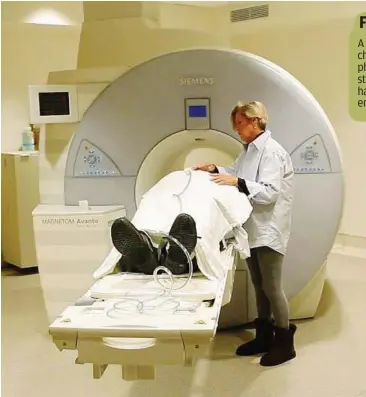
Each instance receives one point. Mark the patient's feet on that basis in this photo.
(135, 247)
(184, 230)
(138, 253)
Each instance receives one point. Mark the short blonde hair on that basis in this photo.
(251, 110)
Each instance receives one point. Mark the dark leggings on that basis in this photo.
(265, 266)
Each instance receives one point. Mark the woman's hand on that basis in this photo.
(204, 167)
(221, 179)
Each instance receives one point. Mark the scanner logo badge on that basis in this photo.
(70, 221)
(184, 81)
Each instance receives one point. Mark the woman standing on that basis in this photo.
(264, 172)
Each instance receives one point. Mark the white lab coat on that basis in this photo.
(267, 169)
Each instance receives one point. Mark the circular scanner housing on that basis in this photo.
(139, 130)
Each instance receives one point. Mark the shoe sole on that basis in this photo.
(279, 362)
(184, 230)
(134, 248)
(251, 353)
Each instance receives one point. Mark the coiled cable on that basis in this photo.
(162, 301)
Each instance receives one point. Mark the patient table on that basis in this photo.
(140, 321)
(129, 320)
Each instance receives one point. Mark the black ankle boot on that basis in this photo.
(262, 341)
(184, 230)
(138, 253)
(283, 347)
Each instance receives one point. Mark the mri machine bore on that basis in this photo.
(168, 114)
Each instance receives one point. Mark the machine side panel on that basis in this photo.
(315, 223)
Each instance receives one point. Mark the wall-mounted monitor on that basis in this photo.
(53, 104)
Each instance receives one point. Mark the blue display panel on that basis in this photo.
(197, 111)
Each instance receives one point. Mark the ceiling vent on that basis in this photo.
(245, 14)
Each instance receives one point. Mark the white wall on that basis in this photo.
(55, 12)
(127, 36)
(185, 16)
(29, 52)
(104, 44)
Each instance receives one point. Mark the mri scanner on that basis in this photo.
(163, 115)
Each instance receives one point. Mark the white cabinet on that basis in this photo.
(19, 195)
(71, 243)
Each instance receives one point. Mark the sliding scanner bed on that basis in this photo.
(105, 330)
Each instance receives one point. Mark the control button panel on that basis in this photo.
(308, 170)
(311, 157)
(197, 111)
(93, 162)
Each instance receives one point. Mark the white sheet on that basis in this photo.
(219, 212)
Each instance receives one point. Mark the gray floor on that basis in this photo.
(331, 350)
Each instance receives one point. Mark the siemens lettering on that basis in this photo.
(196, 81)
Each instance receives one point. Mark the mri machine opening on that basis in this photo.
(183, 150)
(172, 112)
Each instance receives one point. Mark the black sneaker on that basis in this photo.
(184, 230)
(135, 246)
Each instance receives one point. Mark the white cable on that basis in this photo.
(189, 173)
(129, 305)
